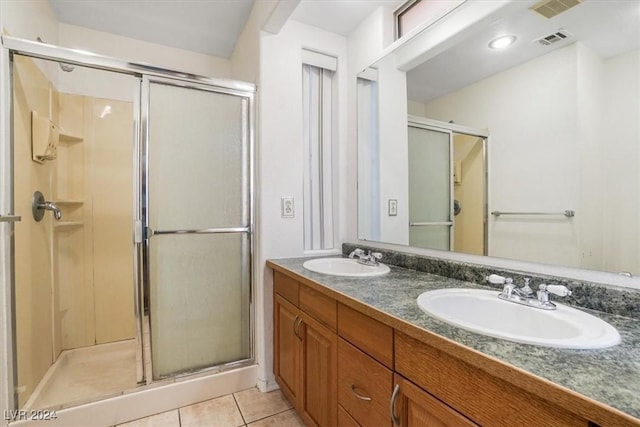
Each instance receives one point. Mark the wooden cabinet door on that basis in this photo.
(319, 403)
(415, 407)
(287, 342)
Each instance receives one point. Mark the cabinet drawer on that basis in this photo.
(373, 337)
(286, 287)
(319, 306)
(344, 419)
(364, 386)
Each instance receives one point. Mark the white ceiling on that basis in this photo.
(609, 28)
(207, 26)
(338, 16)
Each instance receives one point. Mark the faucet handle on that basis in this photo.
(561, 291)
(356, 252)
(376, 255)
(497, 280)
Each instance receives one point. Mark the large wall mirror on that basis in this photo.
(548, 167)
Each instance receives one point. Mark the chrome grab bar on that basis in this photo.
(423, 224)
(568, 213)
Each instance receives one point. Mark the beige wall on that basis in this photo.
(469, 223)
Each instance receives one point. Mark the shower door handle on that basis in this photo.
(150, 232)
(10, 218)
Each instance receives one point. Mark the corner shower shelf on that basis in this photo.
(69, 139)
(67, 224)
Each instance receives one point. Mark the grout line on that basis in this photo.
(239, 410)
(273, 415)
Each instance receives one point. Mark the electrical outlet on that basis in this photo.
(393, 207)
(286, 206)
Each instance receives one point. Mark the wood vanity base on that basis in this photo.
(341, 362)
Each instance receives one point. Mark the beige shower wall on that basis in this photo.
(95, 259)
(469, 223)
(108, 131)
(74, 278)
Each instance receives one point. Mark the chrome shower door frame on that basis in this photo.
(142, 221)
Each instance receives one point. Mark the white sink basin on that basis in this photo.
(481, 311)
(344, 267)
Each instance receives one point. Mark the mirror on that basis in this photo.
(558, 112)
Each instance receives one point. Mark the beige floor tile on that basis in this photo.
(283, 419)
(220, 412)
(255, 405)
(165, 419)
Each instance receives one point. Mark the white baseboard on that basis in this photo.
(267, 385)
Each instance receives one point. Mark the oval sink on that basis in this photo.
(481, 311)
(344, 267)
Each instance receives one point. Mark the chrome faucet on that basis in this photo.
(39, 205)
(371, 258)
(525, 294)
(50, 206)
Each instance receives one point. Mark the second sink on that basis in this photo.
(481, 311)
(344, 267)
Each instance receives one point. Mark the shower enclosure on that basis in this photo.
(144, 273)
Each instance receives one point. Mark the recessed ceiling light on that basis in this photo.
(502, 42)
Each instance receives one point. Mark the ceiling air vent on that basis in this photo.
(551, 8)
(554, 37)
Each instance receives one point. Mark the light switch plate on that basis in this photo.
(393, 207)
(286, 206)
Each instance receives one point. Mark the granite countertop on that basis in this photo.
(610, 376)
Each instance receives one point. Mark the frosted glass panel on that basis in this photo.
(199, 288)
(196, 159)
(199, 284)
(429, 188)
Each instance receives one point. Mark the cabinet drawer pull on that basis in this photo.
(359, 396)
(394, 396)
(296, 325)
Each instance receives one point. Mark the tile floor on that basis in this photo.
(245, 408)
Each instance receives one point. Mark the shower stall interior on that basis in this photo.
(133, 264)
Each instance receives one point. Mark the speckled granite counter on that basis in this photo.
(610, 376)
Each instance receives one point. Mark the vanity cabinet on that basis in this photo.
(305, 350)
(341, 362)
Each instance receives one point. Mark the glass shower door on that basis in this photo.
(197, 227)
(430, 189)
